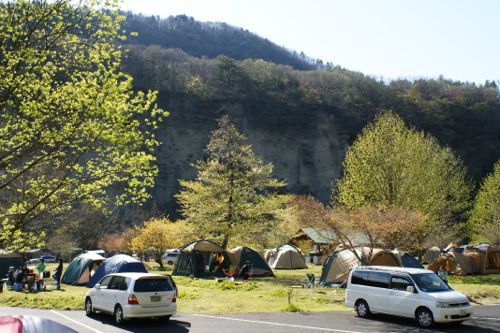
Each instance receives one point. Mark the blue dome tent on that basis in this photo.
(117, 264)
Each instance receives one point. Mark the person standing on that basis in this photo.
(41, 268)
(443, 275)
(58, 273)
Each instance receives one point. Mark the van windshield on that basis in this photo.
(430, 282)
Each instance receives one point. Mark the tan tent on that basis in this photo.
(286, 257)
(339, 264)
(492, 262)
(431, 254)
(454, 263)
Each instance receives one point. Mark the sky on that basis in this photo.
(389, 39)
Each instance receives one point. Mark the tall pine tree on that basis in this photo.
(234, 192)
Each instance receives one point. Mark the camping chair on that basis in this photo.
(311, 281)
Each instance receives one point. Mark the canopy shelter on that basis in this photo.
(7, 260)
(204, 259)
(80, 269)
(286, 257)
(243, 254)
(486, 257)
(339, 264)
(118, 263)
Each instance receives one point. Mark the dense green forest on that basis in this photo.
(300, 120)
(210, 39)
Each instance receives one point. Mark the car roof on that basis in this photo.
(390, 269)
(137, 275)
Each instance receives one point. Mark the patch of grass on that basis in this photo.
(293, 308)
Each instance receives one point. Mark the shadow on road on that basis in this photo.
(410, 325)
(145, 325)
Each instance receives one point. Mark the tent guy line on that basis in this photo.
(76, 322)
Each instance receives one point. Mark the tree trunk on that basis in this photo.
(159, 261)
(225, 242)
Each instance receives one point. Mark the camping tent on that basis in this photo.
(286, 257)
(204, 259)
(454, 263)
(118, 263)
(492, 261)
(260, 267)
(486, 257)
(7, 260)
(431, 254)
(337, 267)
(339, 264)
(78, 271)
(410, 261)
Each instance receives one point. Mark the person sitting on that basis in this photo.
(443, 275)
(18, 279)
(246, 270)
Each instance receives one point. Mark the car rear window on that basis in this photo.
(149, 285)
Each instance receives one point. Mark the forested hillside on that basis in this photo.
(300, 120)
(210, 39)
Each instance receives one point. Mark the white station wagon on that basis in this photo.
(133, 295)
(407, 292)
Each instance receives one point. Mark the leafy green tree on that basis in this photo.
(71, 128)
(234, 192)
(484, 224)
(160, 234)
(394, 166)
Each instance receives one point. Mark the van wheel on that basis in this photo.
(118, 315)
(89, 310)
(362, 309)
(424, 317)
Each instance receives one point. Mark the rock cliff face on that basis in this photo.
(306, 150)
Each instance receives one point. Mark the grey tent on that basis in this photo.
(79, 270)
(431, 254)
(243, 254)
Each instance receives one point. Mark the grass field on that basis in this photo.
(281, 293)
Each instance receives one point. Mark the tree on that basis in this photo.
(71, 128)
(484, 223)
(234, 192)
(160, 234)
(390, 165)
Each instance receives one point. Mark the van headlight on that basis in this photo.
(441, 304)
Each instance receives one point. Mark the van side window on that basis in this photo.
(359, 277)
(372, 279)
(379, 279)
(400, 283)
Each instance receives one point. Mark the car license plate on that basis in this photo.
(462, 312)
(155, 298)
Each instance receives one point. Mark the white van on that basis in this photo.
(408, 292)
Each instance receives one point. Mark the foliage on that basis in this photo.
(160, 234)
(390, 165)
(485, 217)
(71, 128)
(234, 192)
(210, 39)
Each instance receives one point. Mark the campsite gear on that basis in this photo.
(119, 263)
(78, 271)
(474, 259)
(243, 254)
(339, 264)
(31, 324)
(287, 257)
(311, 281)
(195, 258)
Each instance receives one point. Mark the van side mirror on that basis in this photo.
(410, 289)
(97, 286)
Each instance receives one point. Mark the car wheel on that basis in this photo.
(165, 318)
(118, 315)
(362, 309)
(424, 318)
(89, 310)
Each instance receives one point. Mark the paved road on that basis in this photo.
(486, 320)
